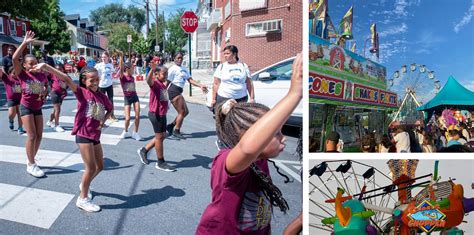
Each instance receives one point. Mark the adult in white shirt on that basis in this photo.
(105, 70)
(402, 141)
(232, 79)
(178, 75)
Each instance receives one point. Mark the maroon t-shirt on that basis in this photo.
(12, 87)
(91, 110)
(59, 86)
(238, 204)
(32, 86)
(158, 98)
(128, 85)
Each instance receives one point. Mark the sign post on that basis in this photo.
(129, 40)
(189, 24)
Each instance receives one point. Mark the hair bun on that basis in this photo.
(228, 105)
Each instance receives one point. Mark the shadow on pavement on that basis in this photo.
(198, 160)
(113, 165)
(146, 198)
(197, 135)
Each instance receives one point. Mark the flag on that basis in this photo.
(375, 39)
(353, 49)
(332, 33)
(319, 8)
(346, 25)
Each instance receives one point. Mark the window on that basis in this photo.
(280, 71)
(227, 10)
(227, 35)
(23, 29)
(263, 27)
(1, 25)
(12, 28)
(246, 5)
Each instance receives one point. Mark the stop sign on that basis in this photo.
(189, 22)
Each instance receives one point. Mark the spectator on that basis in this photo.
(428, 145)
(455, 138)
(332, 142)
(385, 144)
(47, 59)
(7, 60)
(402, 140)
(366, 144)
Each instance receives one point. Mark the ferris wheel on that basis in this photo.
(416, 84)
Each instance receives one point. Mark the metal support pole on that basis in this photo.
(190, 73)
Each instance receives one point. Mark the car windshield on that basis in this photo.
(280, 71)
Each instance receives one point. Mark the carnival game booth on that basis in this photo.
(453, 104)
(347, 93)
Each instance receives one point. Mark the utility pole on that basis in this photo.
(164, 32)
(156, 23)
(147, 17)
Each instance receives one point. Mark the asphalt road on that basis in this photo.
(135, 198)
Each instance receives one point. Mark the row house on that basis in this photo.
(264, 31)
(12, 32)
(84, 37)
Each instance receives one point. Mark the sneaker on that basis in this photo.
(142, 154)
(164, 166)
(10, 124)
(21, 131)
(34, 170)
(169, 129)
(177, 134)
(58, 128)
(136, 136)
(113, 119)
(124, 135)
(50, 124)
(87, 205)
(89, 192)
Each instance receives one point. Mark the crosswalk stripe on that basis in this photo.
(13, 154)
(117, 104)
(119, 113)
(104, 138)
(27, 205)
(142, 100)
(118, 124)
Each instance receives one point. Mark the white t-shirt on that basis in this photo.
(402, 140)
(233, 78)
(105, 74)
(178, 75)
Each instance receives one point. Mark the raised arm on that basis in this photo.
(215, 87)
(29, 37)
(149, 78)
(121, 64)
(259, 135)
(59, 74)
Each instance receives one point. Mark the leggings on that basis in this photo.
(109, 91)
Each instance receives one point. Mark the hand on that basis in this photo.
(213, 103)
(251, 100)
(101, 125)
(29, 37)
(204, 89)
(296, 86)
(153, 65)
(39, 67)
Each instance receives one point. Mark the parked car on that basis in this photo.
(271, 84)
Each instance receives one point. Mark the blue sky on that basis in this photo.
(439, 34)
(84, 7)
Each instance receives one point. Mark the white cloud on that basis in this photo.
(468, 84)
(394, 30)
(400, 6)
(466, 19)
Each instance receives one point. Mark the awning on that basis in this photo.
(347, 104)
(9, 40)
(90, 46)
(452, 94)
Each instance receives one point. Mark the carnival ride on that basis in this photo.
(356, 204)
(416, 84)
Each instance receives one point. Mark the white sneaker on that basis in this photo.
(58, 128)
(34, 170)
(87, 205)
(125, 134)
(136, 136)
(89, 193)
(50, 124)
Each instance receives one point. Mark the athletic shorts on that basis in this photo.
(83, 140)
(56, 98)
(12, 103)
(174, 91)
(26, 111)
(158, 122)
(129, 100)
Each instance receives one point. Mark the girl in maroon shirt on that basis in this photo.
(34, 87)
(13, 90)
(93, 108)
(58, 93)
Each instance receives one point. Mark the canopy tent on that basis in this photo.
(452, 94)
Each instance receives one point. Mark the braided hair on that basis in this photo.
(232, 120)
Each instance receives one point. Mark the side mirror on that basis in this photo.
(264, 76)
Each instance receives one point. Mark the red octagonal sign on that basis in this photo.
(189, 22)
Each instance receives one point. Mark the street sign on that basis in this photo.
(157, 48)
(189, 22)
(129, 38)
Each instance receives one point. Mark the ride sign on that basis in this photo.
(189, 22)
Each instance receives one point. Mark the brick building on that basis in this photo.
(84, 37)
(12, 32)
(265, 31)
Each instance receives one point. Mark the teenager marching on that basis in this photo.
(34, 89)
(93, 108)
(13, 90)
(58, 93)
(157, 115)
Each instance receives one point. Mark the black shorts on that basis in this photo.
(83, 140)
(56, 98)
(129, 100)
(26, 111)
(174, 91)
(158, 122)
(12, 103)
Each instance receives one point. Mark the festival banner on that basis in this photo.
(388, 98)
(326, 87)
(365, 94)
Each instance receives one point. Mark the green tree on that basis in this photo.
(141, 45)
(51, 27)
(116, 13)
(177, 37)
(118, 36)
(31, 9)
